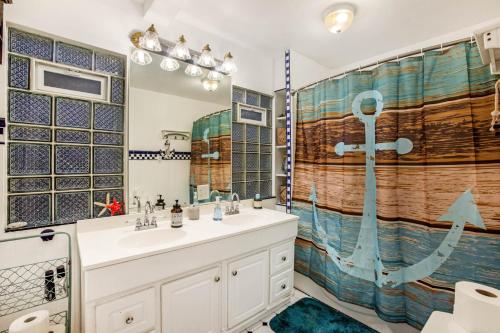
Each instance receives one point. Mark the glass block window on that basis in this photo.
(252, 150)
(63, 153)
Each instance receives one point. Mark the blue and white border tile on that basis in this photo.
(155, 155)
(2, 131)
(288, 116)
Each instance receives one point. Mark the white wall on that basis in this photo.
(149, 113)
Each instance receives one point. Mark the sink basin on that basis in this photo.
(153, 237)
(240, 219)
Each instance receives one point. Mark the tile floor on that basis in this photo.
(297, 295)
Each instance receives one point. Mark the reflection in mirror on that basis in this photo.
(179, 136)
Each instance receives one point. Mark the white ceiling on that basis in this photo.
(272, 26)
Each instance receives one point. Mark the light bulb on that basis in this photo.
(193, 70)
(338, 18)
(210, 85)
(206, 58)
(150, 40)
(180, 50)
(214, 75)
(228, 66)
(168, 64)
(141, 57)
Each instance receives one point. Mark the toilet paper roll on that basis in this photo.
(57, 328)
(477, 307)
(35, 322)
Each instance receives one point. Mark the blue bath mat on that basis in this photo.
(311, 316)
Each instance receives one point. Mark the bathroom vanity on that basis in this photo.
(204, 277)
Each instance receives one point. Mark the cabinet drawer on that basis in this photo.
(134, 313)
(281, 286)
(282, 257)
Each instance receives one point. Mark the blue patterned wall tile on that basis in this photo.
(19, 72)
(34, 209)
(237, 161)
(252, 188)
(265, 135)
(238, 95)
(100, 196)
(252, 162)
(238, 177)
(266, 189)
(72, 160)
(235, 111)
(72, 183)
(253, 98)
(265, 162)
(24, 133)
(23, 185)
(252, 176)
(265, 102)
(110, 64)
(108, 117)
(72, 206)
(73, 55)
(108, 160)
(252, 134)
(267, 149)
(238, 147)
(29, 159)
(238, 132)
(269, 118)
(117, 90)
(239, 187)
(72, 113)
(266, 176)
(112, 139)
(108, 181)
(69, 136)
(30, 108)
(31, 45)
(252, 147)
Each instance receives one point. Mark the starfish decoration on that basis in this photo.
(115, 208)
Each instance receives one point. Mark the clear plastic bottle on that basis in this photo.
(217, 210)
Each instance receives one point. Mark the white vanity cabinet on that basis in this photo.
(247, 287)
(226, 283)
(192, 303)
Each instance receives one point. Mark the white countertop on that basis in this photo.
(107, 241)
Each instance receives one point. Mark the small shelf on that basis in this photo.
(281, 118)
(280, 147)
(280, 175)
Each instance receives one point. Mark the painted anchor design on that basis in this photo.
(365, 261)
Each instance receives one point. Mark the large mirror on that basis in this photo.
(179, 136)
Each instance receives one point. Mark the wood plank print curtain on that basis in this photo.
(397, 183)
(211, 153)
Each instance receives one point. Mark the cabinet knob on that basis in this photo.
(283, 286)
(129, 320)
(283, 258)
(217, 279)
(235, 273)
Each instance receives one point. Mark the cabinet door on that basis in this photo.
(248, 287)
(192, 304)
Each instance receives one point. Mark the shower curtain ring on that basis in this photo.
(441, 48)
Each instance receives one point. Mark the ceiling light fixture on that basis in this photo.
(180, 50)
(214, 75)
(210, 85)
(338, 18)
(229, 66)
(206, 58)
(193, 70)
(141, 57)
(169, 64)
(150, 40)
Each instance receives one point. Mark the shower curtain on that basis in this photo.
(211, 153)
(397, 183)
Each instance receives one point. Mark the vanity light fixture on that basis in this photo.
(214, 75)
(169, 64)
(193, 70)
(141, 57)
(229, 66)
(210, 85)
(206, 58)
(180, 50)
(338, 18)
(150, 40)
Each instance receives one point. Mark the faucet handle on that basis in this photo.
(153, 222)
(138, 223)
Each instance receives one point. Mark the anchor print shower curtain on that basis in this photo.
(211, 153)
(398, 204)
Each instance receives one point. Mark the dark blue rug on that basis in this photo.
(311, 316)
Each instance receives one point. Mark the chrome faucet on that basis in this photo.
(148, 209)
(214, 191)
(235, 207)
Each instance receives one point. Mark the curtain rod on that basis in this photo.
(397, 57)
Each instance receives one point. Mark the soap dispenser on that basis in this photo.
(217, 210)
(193, 211)
(160, 203)
(176, 220)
